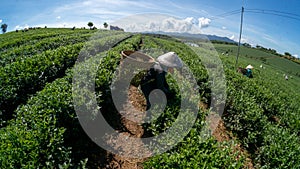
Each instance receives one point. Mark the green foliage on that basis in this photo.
(280, 150)
(196, 150)
(191, 59)
(4, 27)
(23, 51)
(90, 24)
(43, 133)
(260, 56)
(262, 112)
(287, 54)
(193, 152)
(25, 77)
(105, 25)
(28, 75)
(12, 39)
(35, 139)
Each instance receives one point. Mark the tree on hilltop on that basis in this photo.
(287, 54)
(4, 27)
(105, 25)
(90, 24)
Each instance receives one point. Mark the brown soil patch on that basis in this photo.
(125, 143)
(203, 106)
(222, 134)
(137, 98)
(132, 113)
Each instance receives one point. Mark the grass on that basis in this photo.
(275, 66)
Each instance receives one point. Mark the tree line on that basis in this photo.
(90, 24)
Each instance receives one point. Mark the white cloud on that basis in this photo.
(157, 22)
(295, 55)
(0, 20)
(204, 22)
(18, 27)
(245, 40)
(191, 20)
(63, 24)
(108, 11)
(223, 27)
(232, 37)
(26, 26)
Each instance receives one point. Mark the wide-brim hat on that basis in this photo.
(249, 67)
(170, 59)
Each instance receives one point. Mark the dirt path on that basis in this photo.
(222, 134)
(135, 105)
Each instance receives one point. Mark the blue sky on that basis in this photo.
(206, 16)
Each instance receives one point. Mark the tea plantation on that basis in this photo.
(40, 128)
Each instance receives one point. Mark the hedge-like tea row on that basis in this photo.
(46, 132)
(35, 139)
(49, 44)
(280, 103)
(25, 77)
(41, 46)
(250, 105)
(196, 150)
(32, 36)
(271, 145)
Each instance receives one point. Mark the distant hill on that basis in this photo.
(198, 36)
(218, 38)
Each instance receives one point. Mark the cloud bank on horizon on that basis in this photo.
(164, 23)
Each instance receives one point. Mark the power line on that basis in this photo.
(258, 11)
(230, 12)
(298, 19)
(261, 11)
(226, 14)
(275, 13)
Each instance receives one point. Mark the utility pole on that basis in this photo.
(239, 45)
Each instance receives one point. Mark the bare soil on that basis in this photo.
(222, 134)
(131, 112)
